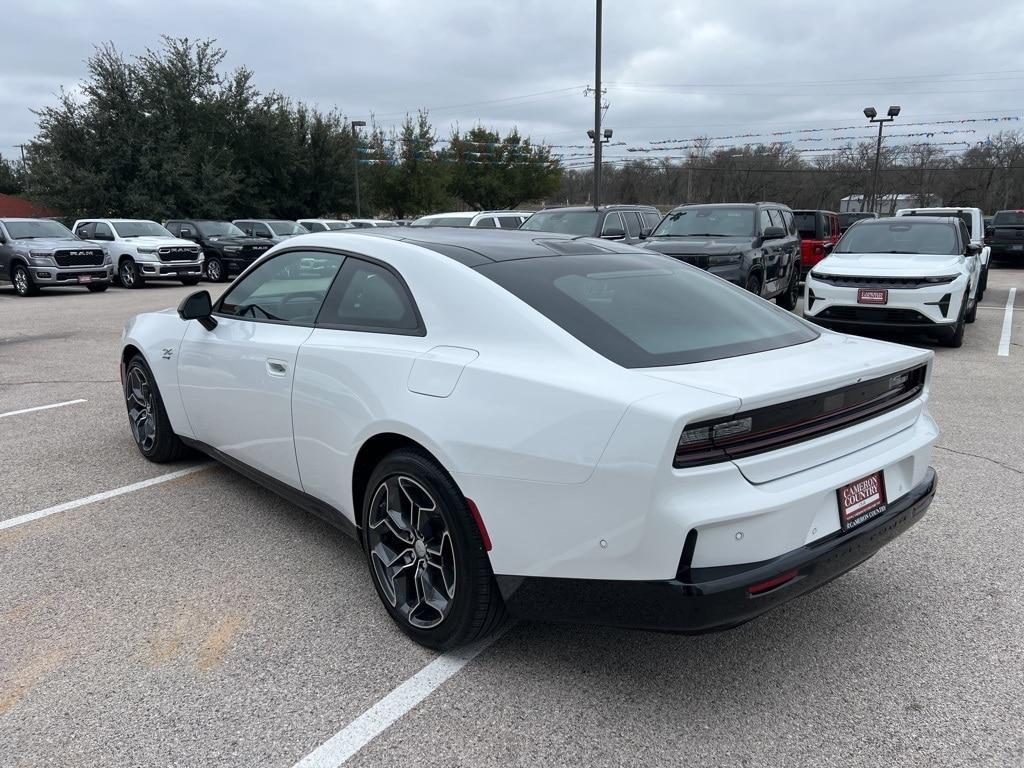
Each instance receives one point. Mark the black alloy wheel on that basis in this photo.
(753, 283)
(23, 283)
(788, 298)
(426, 555)
(147, 417)
(215, 272)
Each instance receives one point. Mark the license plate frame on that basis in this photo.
(862, 500)
(877, 296)
(84, 279)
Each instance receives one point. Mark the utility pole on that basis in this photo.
(871, 114)
(355, 154)
(597, 111)
(22, 148)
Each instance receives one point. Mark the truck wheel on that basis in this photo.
(215, 272)
(23, 283)
(97, 287)
(955, 336)
(972, 313)
(983, 284)
(788, 298)
(753, 283)
(128, 273)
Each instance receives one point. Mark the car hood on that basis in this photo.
(157, 241)
(902, 264)
(698, 246)
(51, 243)
(245, 240)
(778, 376)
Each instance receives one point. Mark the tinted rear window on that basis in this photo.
(807, 225)
(642, 311)
(1008, 219)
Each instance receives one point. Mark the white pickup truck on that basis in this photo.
(143, 250)
(975, 221)
(910, 273)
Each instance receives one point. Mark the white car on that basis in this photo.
(142, 250)
(482, 219)
(277, 230)
(371, 223)
(325, 225)
(546, 426)
(975, 221)
(918, 274)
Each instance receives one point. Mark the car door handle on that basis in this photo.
(277, 367)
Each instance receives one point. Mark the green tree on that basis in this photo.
(489, 172)
(405, 175)
(12, 177)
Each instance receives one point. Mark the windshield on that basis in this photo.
(641, 312)
(965, 217)
(900, 235)
(707, 221)
(219, 229)
(287, 228)
(583, 223)
(36, 228)
(336, 225)
(1008, 219)
(140, 229)
(443, 221)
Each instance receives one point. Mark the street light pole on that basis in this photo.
(597, 111)
(872, 115)
(355, 156)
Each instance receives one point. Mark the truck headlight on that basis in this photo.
(147, 253)
(41, 258)
(723, 260)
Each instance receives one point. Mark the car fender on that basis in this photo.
(157, 336)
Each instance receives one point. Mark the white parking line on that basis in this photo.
(68, 505)
(41, 408)
(1004, 339)
(349, 740)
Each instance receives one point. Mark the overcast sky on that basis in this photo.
(673, 68)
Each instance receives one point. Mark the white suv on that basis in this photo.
(143, 250)
(975, 221)
(482, 219)
(907, 273)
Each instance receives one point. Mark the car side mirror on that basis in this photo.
(613, 234)
(186, 234)
(973, 249)
(773, 233)
(198, 306)
(827, 247)
(645, 232)
(103, 236)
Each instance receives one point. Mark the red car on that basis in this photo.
(819, 231)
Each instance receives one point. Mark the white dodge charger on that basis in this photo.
(561, 428)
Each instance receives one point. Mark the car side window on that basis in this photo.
(790, 221)
(965, 233)
(486, 223)
(369, 297)
(766, 220)
(289, 288)
(632, 220)
(652, 220)
(103, 231)
(261, 230)
(86, 230)
(173, 227)
(612, 226)
(509, 222)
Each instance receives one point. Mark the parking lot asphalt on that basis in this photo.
(204, 621)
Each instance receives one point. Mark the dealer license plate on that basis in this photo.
(861, 501)
(872, 296)
(85, 278)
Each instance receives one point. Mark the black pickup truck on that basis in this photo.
(1005, 235)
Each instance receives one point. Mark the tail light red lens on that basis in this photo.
(770, 584)
(776, 426)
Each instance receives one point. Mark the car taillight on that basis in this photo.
(776, 426)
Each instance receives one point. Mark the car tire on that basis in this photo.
(128, 274)
(972, 313)
(97, 287)
(954, 337)
(190, 281)
(753, 283)
(983, 284)
(428, 542)
(789, 297)
(24, 285)
(215, 271)
(147, 416)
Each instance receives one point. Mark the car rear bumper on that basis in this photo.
(710, 599)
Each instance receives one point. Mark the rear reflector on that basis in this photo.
(479, 524)
(769, 584)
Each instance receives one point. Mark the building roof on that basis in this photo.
(12, 207)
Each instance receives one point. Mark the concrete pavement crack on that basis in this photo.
(979, 456)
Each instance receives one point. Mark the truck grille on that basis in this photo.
(79, 258)
(178, 253)
(848, 281)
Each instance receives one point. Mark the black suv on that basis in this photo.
(625, 223)
(228, 250)
(754, 245)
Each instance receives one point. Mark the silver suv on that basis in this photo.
(271, 229)
(37, 253)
